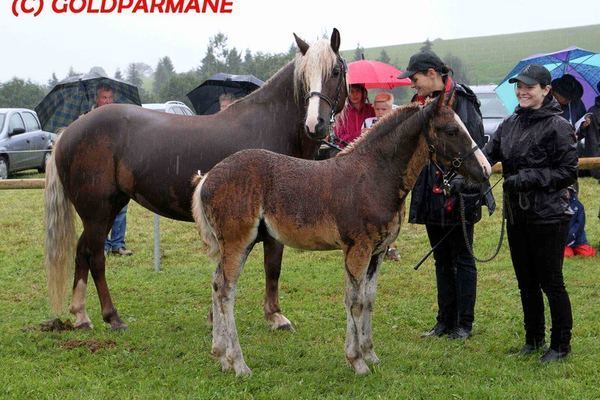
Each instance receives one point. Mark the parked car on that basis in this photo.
(492, 109)
(23, 143)
(171, 107)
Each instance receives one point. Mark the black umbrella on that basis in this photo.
(76, 95)
(205, 98)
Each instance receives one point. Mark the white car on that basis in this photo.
(23, 143)
(171, 107)
(492, 109)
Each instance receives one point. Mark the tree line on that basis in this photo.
(166, 84)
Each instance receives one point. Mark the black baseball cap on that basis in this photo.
(422, 61)
(533, 74)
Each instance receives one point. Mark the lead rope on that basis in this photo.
(468, 243)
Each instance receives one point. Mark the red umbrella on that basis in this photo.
(375, 74)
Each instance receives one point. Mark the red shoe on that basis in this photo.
(569, 252)
(584, 250)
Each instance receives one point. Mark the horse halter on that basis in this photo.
(333, 104)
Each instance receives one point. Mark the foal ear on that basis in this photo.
(452, 99)
(335, 40)
(302, 45)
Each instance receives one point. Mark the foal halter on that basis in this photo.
(455, 164)
(333, 104)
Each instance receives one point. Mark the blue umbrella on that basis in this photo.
(584, 65)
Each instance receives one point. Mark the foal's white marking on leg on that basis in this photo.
(354, 301)
(367, 340)
(78, 305)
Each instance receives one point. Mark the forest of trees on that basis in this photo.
(164, 84)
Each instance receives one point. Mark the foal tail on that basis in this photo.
(207, 233)
(60, 235)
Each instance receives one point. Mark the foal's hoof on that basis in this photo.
(360, 367)
(242, 370)
(371, 357)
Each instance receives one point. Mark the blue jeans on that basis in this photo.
(116, 239)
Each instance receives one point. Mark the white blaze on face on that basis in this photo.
(312, 112)
(481, 159)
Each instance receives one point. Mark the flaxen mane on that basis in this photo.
(317, 63)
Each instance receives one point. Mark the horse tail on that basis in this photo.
(207, 233)
(60, 235)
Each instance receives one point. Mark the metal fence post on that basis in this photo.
(156, 243)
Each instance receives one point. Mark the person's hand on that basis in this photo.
(460, 185)
(513, 183)
(587, 121)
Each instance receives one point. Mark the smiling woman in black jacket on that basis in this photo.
(539, 161)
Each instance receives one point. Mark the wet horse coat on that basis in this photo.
(121, 152)
(352, 202)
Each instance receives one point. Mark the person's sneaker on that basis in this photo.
(584, 250)
(529, 348)
(438, 330)
(459, 333)
(569, 252)
(552, 355)
(392, 254)
(123, 252)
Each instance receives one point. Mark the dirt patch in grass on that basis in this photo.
(56, 325)
(92, 345)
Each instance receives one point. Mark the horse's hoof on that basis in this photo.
(84, 326)
(118, 326)
(279, 322)
(285, 327)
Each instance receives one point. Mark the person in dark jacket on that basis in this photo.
(539, 162)
(590, 130)
(439, 211)
(568, 91)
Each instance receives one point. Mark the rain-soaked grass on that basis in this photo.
(165, 351)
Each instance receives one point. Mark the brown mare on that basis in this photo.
(122, 152)
(352, 202)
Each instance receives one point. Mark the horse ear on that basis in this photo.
(302, 45)
(335, 40)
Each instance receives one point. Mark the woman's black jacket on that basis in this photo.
(539, 159)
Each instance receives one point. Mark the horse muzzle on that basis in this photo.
(319, 131)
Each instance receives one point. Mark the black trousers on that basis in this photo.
(456, 276)
(537, 255)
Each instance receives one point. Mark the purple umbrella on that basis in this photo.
(584, 65)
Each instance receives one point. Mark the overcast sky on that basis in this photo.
(35, 47)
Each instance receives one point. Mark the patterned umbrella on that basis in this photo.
(584, 65)
(76, 95)
(205, 98)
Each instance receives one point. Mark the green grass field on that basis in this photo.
(165, 351)
(489, 58)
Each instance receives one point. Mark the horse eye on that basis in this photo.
(452, 130)
(336, 72)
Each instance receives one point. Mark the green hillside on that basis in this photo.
(489, 58)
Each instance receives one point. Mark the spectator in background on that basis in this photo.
(350, 120)
(225, 100)
(590, 130)
(115, 243)
(568, 91)
(383, 103)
